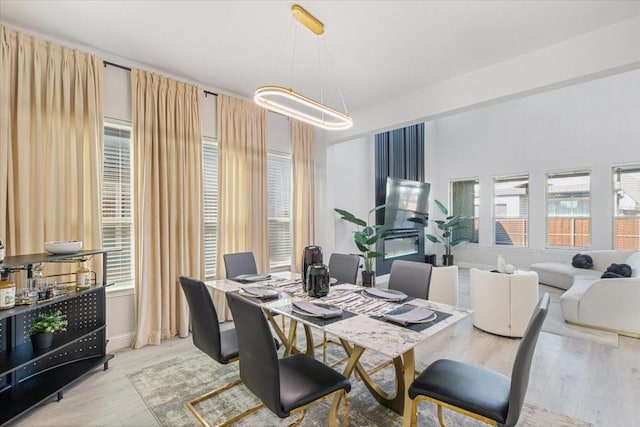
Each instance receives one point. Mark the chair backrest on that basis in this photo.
(522, 364)
(259, 369)
(412, 278)
(205, 329)
(344, 267)
(239, 263)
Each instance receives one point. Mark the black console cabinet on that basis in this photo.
(27, 376)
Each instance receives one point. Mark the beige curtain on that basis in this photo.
(242, 186)
(303, 155)
(167, 202)
(50, 144)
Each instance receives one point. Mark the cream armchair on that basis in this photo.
(502, 303)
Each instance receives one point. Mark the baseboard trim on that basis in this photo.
(600, 328)
(120, 342)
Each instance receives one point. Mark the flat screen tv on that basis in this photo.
(408, 203)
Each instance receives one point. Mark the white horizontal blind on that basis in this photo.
(511, 210)
(117, 211)
(569, 210)
(626, 200)
(210, 188)
(279, 200)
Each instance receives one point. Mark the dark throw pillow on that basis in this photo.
(582, 261)
(615, 271)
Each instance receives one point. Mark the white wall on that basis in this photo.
(592, 125)
(350, 175)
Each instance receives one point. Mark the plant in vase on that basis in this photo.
(447, 226)
(366, 238)
(44, 325)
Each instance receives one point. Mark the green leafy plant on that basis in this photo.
(447, 226)
(49, 322)
(367, 236)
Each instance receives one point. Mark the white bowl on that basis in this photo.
(59, 248)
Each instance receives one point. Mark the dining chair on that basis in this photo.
(221, 346)
(344, 268)
(411, 277)
(239, 263)
(286, 386)
(477, 392)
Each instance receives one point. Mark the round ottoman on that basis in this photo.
(502, 304)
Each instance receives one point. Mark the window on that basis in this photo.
(511, 210)
(117, 212)
(210, 189)
(626, 202)
(279, 199)
(464, 202)
(569, 210)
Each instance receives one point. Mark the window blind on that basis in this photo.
(210, 189)
(511, 210)
(279, 205)
(117, 211)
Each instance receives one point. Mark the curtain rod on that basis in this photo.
(122, 67)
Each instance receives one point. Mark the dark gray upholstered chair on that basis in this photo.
(477, 392)
(412, 278)
(221, 346)
(239, 263)
(286, 385)
(344, 267)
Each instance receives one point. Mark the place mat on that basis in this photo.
(417, 315)
(251, 278)
(417, 327)
(324, 311)
(388, 294)
(318, 321)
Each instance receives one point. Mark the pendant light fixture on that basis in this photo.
(295, 105)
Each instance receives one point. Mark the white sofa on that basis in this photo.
(610, 304)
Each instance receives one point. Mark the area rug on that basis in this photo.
(166, 387)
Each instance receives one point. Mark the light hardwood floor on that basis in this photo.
(589, 381)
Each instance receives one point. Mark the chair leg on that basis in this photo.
(440, 417)
(191, 405)
(345, 409)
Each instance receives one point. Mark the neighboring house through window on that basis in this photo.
(511, 210)
(569, 209)
(626, 201)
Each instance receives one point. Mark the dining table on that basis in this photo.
(365, 323)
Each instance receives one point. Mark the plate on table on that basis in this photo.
(253, 277)
(261, 293)
(431, 318)
(413, 316)
(332, 281)
(385, 294)
(334, 309)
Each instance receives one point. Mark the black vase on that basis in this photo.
(369, 279)
(447, 259)
(318, 280)
(41, 340)
(310, 255)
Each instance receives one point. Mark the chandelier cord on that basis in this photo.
(333, 70)
(284, 43)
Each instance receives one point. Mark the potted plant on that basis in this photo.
(366, 238)
(43, 326)
(447, 226)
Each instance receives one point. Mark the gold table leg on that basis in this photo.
(405, 371)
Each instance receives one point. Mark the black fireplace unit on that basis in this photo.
(405, 244)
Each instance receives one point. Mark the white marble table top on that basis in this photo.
(366, 328)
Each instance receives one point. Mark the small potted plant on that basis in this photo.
(447, 226)
(43, 327)
(365, 239)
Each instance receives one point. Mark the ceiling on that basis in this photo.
(376, 49)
